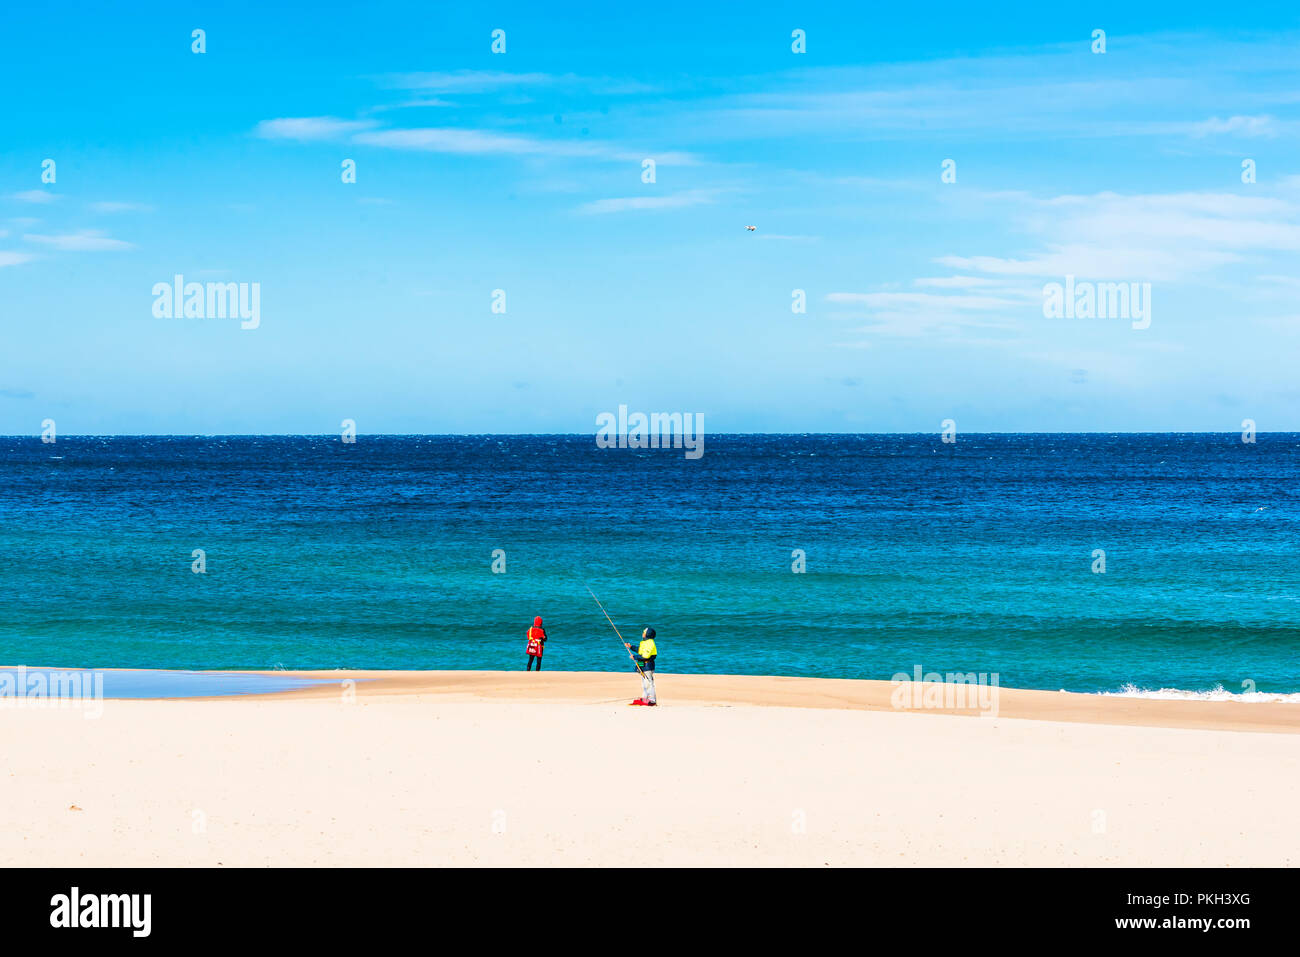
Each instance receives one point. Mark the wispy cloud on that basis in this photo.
(499, 81)
(1239, 125)
(87, 240)
(1291, 282)
(465, 81)
(425, 102)
(957, 282)
(1154, 236)
(38, 196)
(1189, 87)
(969, 308)
(479, 142)
(115, 206)
(919, 300)
(995, 299)
(907, 314)
(13, 259)
(623, 204)
(310, 128)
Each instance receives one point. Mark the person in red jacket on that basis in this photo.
(536, 643)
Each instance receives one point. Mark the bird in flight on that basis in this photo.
(751, 228)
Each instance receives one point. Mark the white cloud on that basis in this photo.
(492, 81)
(87, 240)
(1098, 262)
(1146, 237)
(1292, 282)
(39, 196)
(1240, 125)
(465, 81)
(112, 206)
(957, 282)
(919, 300)
(487, 142)
(13, 259)
(936, 316)
(309, 128)
(450, 140)
(426, 102)
(1166, 87)
(622, 204)
(996, 299)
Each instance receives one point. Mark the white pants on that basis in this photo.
(648, 687)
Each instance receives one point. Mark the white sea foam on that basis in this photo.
(1218, 693)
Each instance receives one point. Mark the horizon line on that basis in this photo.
(300, 435)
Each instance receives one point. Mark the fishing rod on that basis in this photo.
(616, 631)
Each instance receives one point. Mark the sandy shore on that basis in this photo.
(518, 769)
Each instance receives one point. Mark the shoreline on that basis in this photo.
(849, 694)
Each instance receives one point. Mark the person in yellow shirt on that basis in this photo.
(644, 656)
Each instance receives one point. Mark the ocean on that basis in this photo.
(978, 556)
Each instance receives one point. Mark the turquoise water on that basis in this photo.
(974, 556)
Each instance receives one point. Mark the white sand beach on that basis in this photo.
(515, 769)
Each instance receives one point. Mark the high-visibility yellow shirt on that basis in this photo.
(647, 648)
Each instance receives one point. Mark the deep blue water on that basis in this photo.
(974, 556)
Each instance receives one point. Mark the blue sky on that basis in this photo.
(522, 171)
